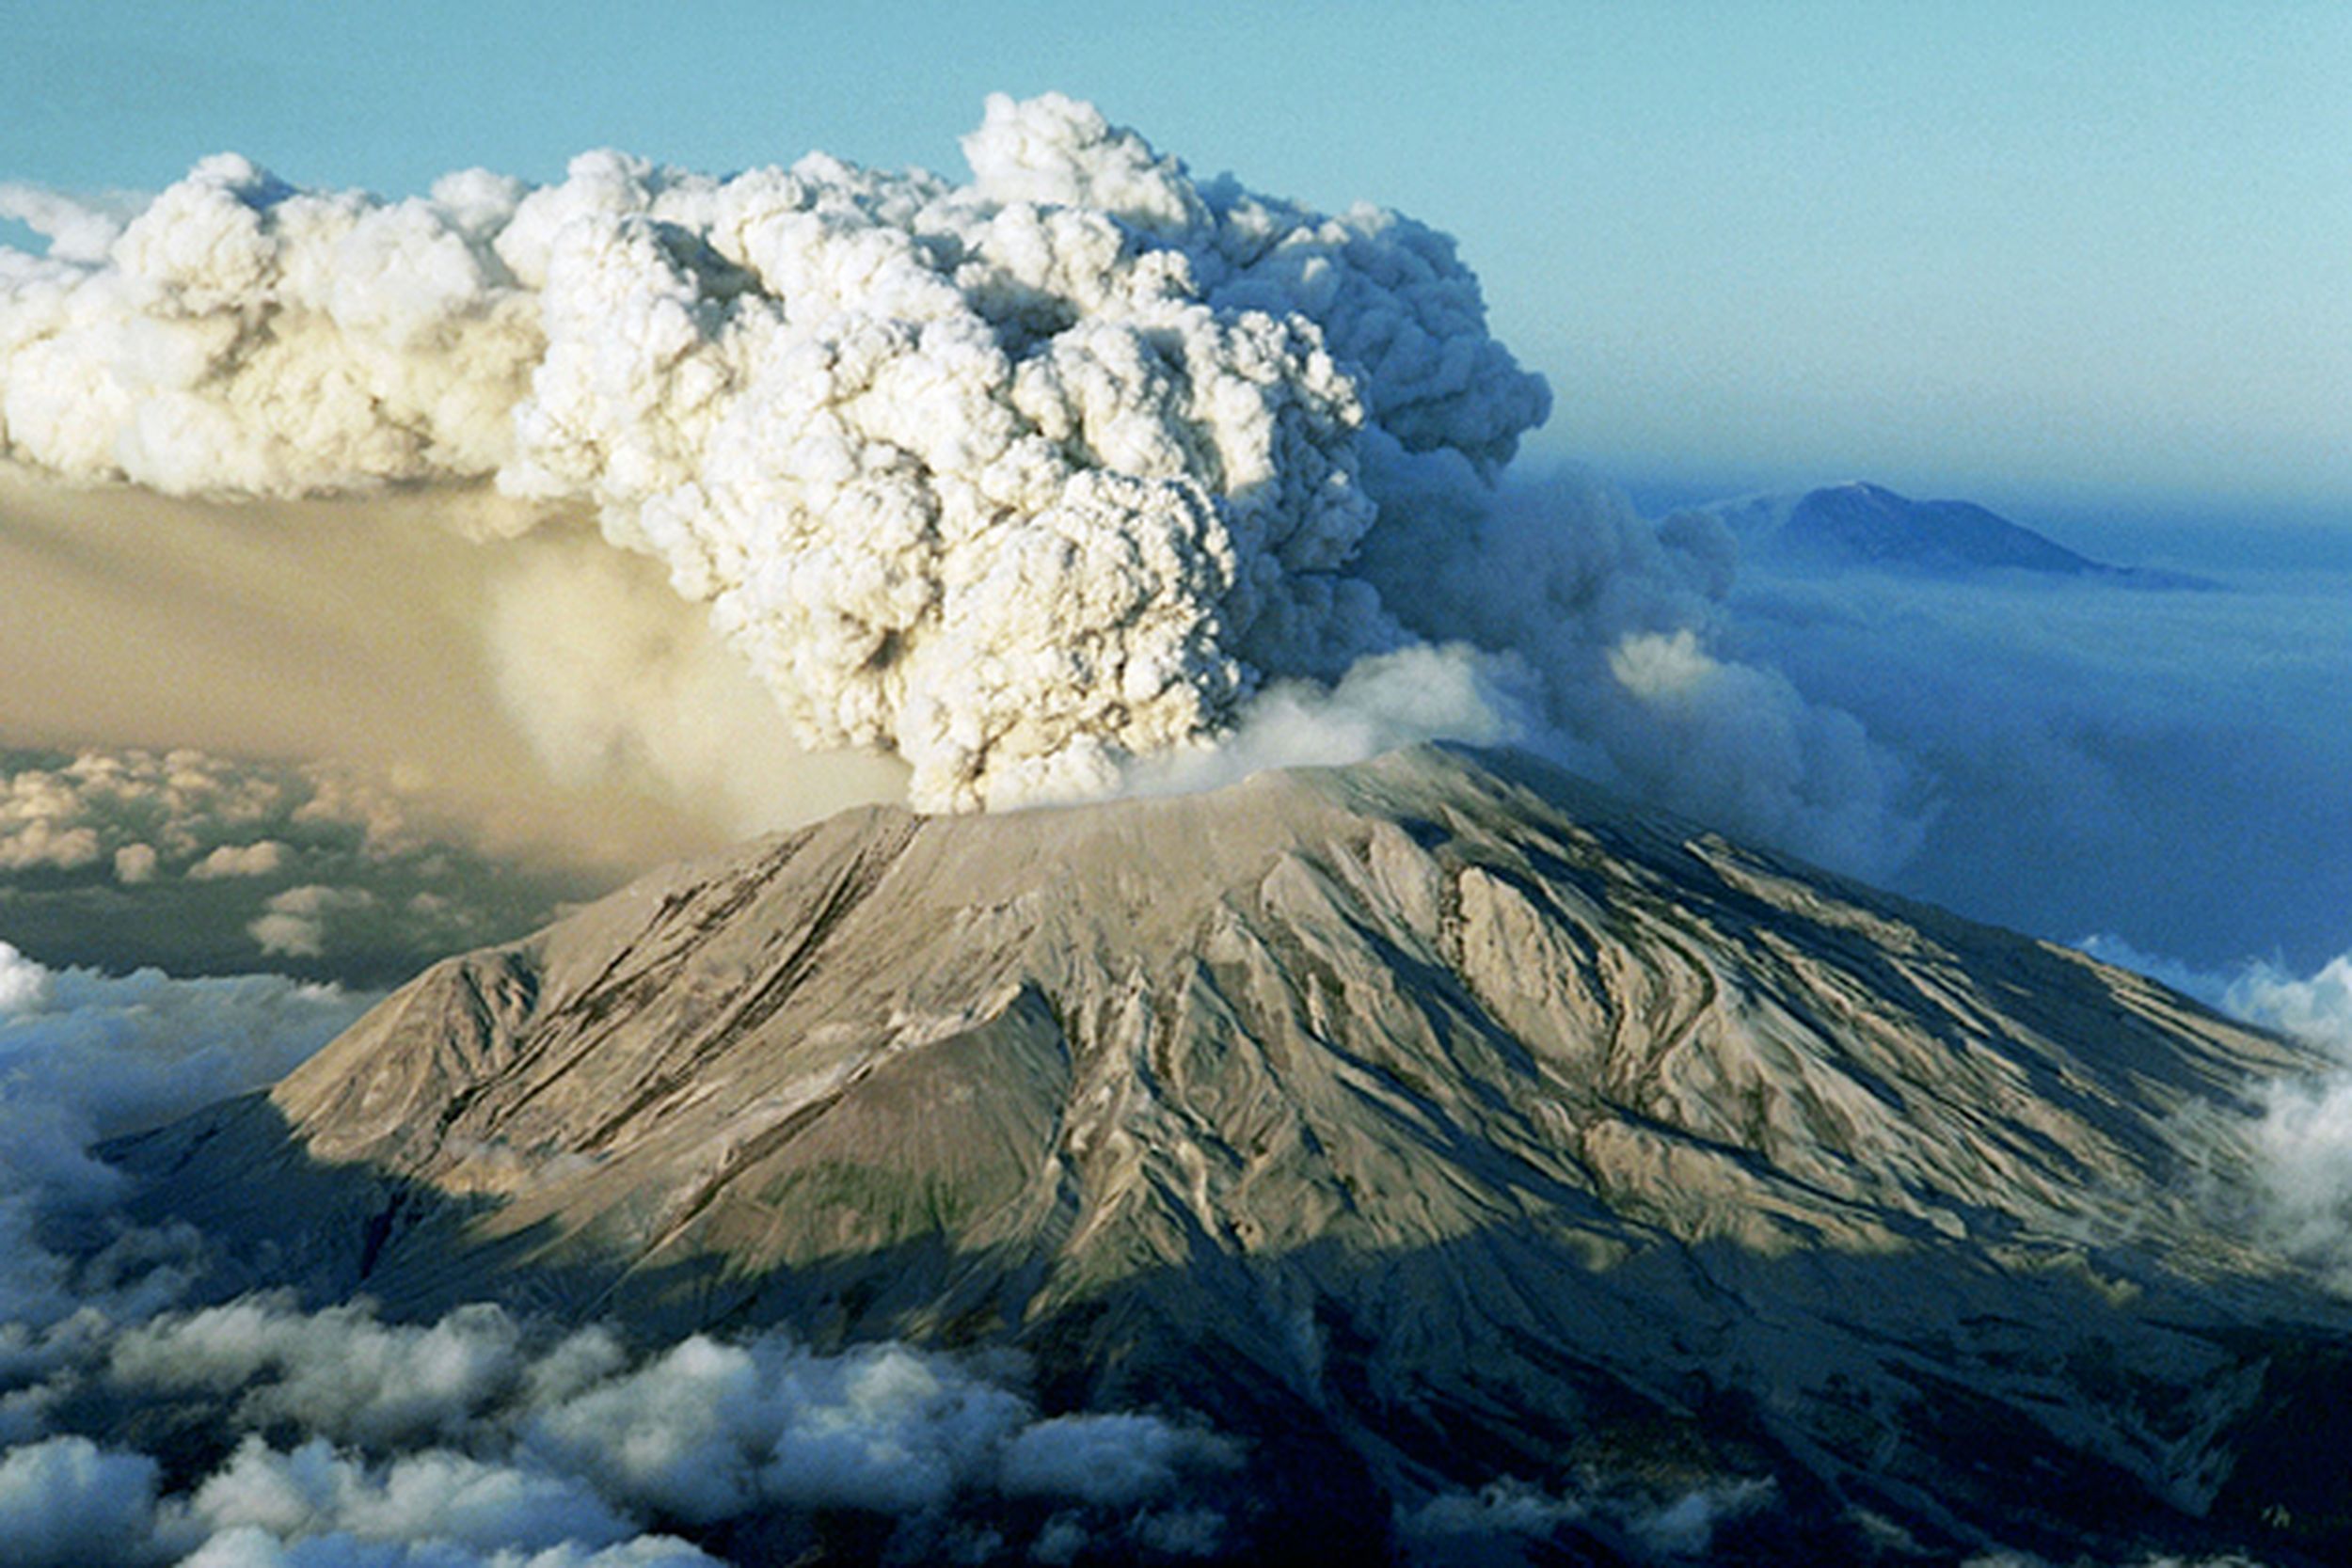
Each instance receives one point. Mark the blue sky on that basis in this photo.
(2066, 257)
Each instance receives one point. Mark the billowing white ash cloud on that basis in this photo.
(1022, 478)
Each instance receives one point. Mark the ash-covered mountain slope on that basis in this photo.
(1439, 1119)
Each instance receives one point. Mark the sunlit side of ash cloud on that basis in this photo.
(1073, 472)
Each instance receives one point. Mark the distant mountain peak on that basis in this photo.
(1860, 525)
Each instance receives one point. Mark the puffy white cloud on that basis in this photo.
(1495, 1524)
(210, 817)
(69, 1504)
(473, 1440)
(85, 1056)
(293, 923)
(1658, 668)
(77, 230)
(481, 1435)
(2318, 1010)
(336, 1373)
(23, 984)
(709, 1430)
(2303, 1140)
(239, 335)
(66, 1503)
(240, 860)
(1685, 1527)
(438, 1495)
(249, 1547)
(2303, 1148)
(1110, 1461)
(36, 827)
(109, 1054)
(570, 1448)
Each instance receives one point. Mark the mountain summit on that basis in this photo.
(1868, 526)
(1430, 1125)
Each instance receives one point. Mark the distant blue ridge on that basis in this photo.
(1868, 527)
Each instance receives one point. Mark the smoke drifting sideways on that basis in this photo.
(1025, 480)
(143, 1423)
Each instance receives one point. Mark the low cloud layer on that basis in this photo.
(2161, 767)
(482, 1439)
(194, 862)
(86, 1057)
(2166, 766)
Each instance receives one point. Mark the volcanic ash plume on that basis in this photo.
(1021, 478)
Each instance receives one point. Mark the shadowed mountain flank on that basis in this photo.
(1441, 1119)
